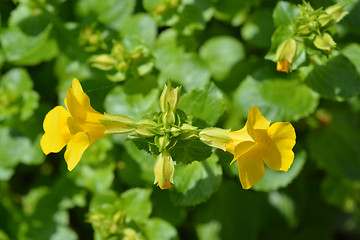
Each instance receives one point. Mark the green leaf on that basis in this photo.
(277, 99)
(110, 12)
(233, 11)
(136, 204)
(286, 206)
(336, 79)
(334, 146)
(17, 97)
(14, 150)
(157, 228)
(281, 34)
(118, 101)
(185, 68)
(273, 180)
(232, 211)
(258, 29)
(23, 49)
(284, 13)
(164, 208)
(352, 52)
(140, 26)
(6, 174)
(190, 20)
(196, 182)
(221, 54)
(341, 193)
(136, 167)
(206, 103)
(190, 151)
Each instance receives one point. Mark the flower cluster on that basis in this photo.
(310, 30)
(78, 125)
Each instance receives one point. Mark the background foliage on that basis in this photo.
(123, 52)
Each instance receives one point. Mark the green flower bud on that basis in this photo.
(129, 234)
(188, 132)
(285, 55)
(215, 137)
(336, 12)
(146, 128)
(117, 124)
(169, 98)
(324, 42)
(164, 170)
(103, 62)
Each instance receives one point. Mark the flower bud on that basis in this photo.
(285, 55)
(336, 12)
(145, 128)
(215, 137)
(188, 132)
(324, 42)
(117, 124)
(169, 98)
(164, 170)
(102, 61)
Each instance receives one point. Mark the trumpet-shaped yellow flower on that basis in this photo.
(258, 142)
(77, 126)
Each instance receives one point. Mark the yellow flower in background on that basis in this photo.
(77, 126)
(258, 142)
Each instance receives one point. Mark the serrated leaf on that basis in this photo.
(336, 79)
(206, 103)
(221, 54)
(284, 13)
(157, 228)
(273, 180)
(118, 101)
(196, 182)
(277, 99)
(190, 151)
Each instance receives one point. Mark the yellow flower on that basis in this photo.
(259, 142)
(77, 126)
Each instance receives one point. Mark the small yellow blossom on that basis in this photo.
(283, 66)
(77, 126)
(258, 142)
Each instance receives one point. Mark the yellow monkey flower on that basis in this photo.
(76, 126)
(258, 142)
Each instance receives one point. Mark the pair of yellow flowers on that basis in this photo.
(257, 142)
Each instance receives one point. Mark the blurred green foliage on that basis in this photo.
(123, 52)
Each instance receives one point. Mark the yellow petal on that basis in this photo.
(236, 138)
(251, 168)
(278, 154)
(78, 103)
(167, 185)
(57, 133)
(283, 66)
(256, 121)
(75, 149)
(242, 148)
